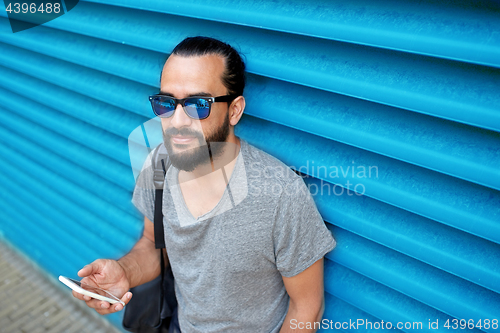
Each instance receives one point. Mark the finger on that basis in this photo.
(97, 304)
(85, 271)
(117, 306)
(80, 296)
(111, 309)
(103, 307)
(104, 311)
(91, 268)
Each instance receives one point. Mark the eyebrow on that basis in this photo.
(200, 94)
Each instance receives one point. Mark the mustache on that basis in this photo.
(169, 132)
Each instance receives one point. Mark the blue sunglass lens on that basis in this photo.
(197, 108)
(163, 107)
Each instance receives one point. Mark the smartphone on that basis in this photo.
(87, 290)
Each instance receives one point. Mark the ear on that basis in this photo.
(236, 110)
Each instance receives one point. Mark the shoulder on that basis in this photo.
(263, 166)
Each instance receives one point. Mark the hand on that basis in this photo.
(108, 275)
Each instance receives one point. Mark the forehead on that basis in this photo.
(184, 76)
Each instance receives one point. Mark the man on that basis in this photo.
(243, 236)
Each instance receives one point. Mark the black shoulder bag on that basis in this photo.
(151, 307)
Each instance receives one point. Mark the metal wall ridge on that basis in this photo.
(88, 84)
(110, 58)
(467, 170)
(45, 229)
(86, 213)
(66, 126)
(102, 165)
(41, 206)
(376, 299)
(415, 279)
(451, 36)
(124, 121)
(474, 169)
(74, 174)
(454, 251)
(451, 201)
(415, 138)
(58, 134)
(339, 312)
(422, 85)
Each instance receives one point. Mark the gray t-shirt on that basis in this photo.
(228, 263)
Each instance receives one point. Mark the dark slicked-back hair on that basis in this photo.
(233, 77)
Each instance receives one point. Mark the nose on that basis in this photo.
(180, 118)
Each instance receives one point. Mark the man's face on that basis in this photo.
(186, 138)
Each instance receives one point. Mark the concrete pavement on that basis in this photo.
(32, 302)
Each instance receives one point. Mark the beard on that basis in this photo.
(190, 159)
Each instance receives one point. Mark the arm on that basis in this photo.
(140, 265)
(306, 299)
(137, 269)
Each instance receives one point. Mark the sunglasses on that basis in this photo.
(195, 107)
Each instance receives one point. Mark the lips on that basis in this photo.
(182, 139)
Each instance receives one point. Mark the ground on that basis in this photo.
(31, 301)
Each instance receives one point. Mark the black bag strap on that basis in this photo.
(160, 162)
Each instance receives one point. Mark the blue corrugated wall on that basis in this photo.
(396, 100)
